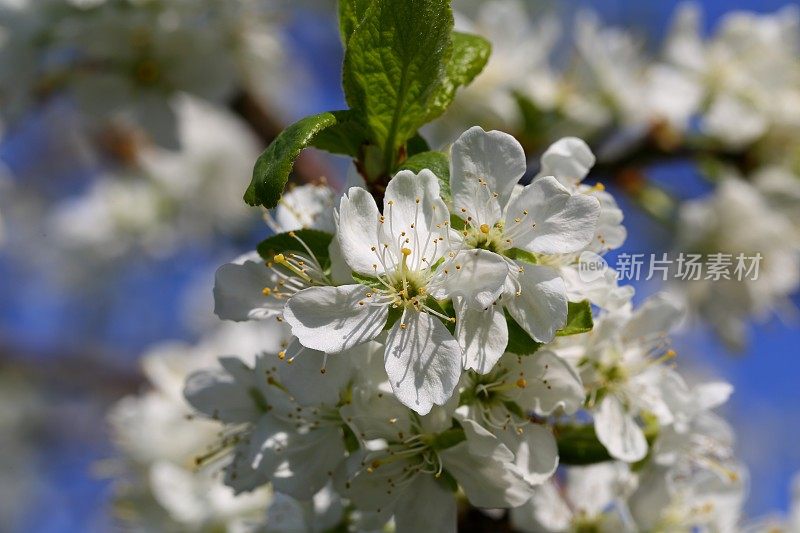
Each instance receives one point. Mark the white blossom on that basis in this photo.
(738, 219)
(400, 251)
(543, 219)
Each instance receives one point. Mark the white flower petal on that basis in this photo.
(551, 384)
(483, 335)
(333, 319)
(217, 394)
(370, 491)
(415, 216)
(654, 319)
(426, 506)
(358, 231)
(176, 489)
(476, 276)
(537, 454)
(311, 458)
(541, 307)
(378, 416)
(268, 441)
(618, 432)
(712, 394)
(483, 164)
(568, 160)
(238, 290)
(546, 218)
(591, 489)
(305, 381)
(422, 360)
(306, 206)
(546, 511)
(340, 270)
(483, 468)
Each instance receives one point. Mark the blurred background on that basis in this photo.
(129, 130)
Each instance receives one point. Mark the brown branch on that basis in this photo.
(100, 373)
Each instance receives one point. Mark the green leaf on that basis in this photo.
(394, 315)
(579, 445)
(393, 68)
(447, 481)
(351, 13)
(457, 223)
(369, 281)
(272, 168)
(351, 443)
(416, 145)
(519, 342)
(469, 56)
(579, 319)
(522, 255)
(448, 439)
(346, 137)
(438, 163)
(515, 409)
(538, 125)
(281, 243)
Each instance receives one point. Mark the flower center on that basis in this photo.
(485, 237)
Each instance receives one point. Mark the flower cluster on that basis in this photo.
(125, 60)
(727, 102)
(166, 196)
(119, 97)
(443, 345)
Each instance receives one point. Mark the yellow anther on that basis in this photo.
(266, 291)
(279, 258)
(405, 251)
(282, 355)
(522, 383)
(599, 186)
(484, 228)
(292, 234)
